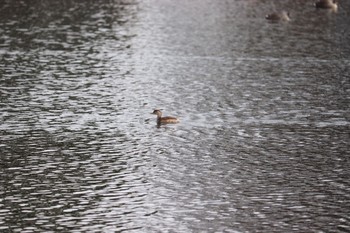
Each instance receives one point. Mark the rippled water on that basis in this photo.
(263, 141)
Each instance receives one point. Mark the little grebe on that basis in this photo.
(278, 16)
(327, 4)
(164, 120)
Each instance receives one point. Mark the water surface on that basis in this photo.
(264, 135)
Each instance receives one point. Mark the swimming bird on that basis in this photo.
(278, 16)
(164, 120)
(327, 4)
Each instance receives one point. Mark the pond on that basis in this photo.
(263, 139)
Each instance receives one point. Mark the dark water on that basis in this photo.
(263, 143)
